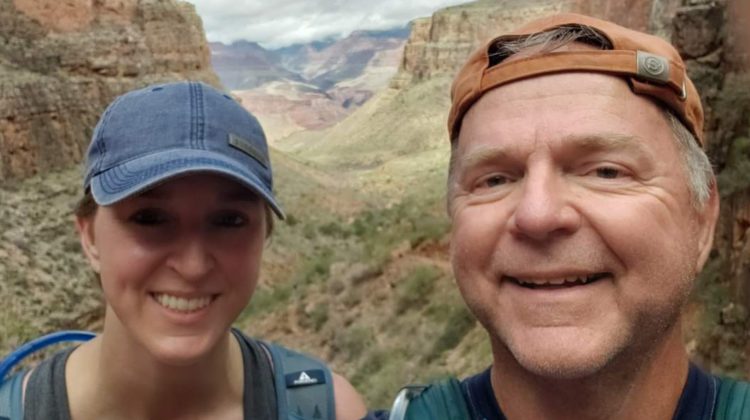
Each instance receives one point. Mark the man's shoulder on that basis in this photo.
(733, 399)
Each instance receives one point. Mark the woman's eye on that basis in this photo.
(230, 220)
(149, 217)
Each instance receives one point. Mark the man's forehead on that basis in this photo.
(586, 111)
(652, 67)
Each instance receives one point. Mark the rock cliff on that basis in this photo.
(712, 36)
(61, 62)
(438, 44)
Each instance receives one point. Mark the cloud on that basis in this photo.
(285, 22)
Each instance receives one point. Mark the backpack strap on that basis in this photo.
(11, 389)
(733, 401)
(11, 397)
(304, 385)
(442, 400)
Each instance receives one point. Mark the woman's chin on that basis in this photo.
(181, 351)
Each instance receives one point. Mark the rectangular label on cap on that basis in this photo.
(652, 67)
(246, 147)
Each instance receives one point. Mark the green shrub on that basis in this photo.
(412, 292)
(334, 229)
(268, 300)
(351, 342)
(459, 322)
(318, 316)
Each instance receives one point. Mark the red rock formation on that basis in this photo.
(62, 61)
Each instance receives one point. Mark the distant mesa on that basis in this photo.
(309, 86)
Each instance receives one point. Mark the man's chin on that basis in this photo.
(564, 359)
(562, 368)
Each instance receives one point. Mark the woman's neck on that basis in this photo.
(115, 374)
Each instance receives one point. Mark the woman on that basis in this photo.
(177, 206)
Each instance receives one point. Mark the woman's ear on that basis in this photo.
(85, 228)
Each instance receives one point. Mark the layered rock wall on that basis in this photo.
(63, 61)
(713, 38)
(439, 44)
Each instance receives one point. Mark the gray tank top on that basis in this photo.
(47, 395)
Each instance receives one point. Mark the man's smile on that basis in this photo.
(556, 282)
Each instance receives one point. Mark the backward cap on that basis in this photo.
(652, 66)
(150, 135)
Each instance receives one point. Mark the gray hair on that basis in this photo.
(697, 165)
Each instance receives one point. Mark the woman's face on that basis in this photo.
(177, 263)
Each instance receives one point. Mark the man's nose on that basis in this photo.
(192, 257)
(544, 208)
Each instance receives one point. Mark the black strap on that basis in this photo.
(304, 385)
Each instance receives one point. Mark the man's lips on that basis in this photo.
(556, 282)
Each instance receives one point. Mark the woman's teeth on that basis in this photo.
(181, 304)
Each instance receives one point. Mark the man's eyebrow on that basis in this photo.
(589, 142)
(606, 142)
(483, 155)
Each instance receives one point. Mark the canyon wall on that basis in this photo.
(438, 44)
(63, 61)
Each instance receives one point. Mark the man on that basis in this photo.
(583, 207)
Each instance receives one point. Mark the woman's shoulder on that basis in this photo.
(307, 384)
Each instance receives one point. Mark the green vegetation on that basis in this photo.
(721, 332)
(736, 174)
(412, 292)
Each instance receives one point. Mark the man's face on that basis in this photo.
(574, 236)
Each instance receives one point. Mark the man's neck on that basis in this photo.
(645, 387)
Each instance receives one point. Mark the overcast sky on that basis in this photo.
(279, 23)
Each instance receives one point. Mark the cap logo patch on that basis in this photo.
(652, 67)
(247, 148)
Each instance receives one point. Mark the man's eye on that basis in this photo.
(230, 220)
(608, 172)
(149, 217)
(493, 181)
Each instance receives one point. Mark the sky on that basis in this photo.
(279, 23)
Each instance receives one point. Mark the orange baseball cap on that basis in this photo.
(651, 65)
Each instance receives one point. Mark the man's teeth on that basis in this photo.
(558, 281)
(182, 304)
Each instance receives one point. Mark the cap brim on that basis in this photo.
(132, 177)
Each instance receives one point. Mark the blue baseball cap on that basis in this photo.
(152, 134)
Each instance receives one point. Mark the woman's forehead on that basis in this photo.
(201, 183)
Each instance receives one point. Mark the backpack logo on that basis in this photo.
(305, 378)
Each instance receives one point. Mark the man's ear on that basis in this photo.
(85, 228)
(707, 218)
